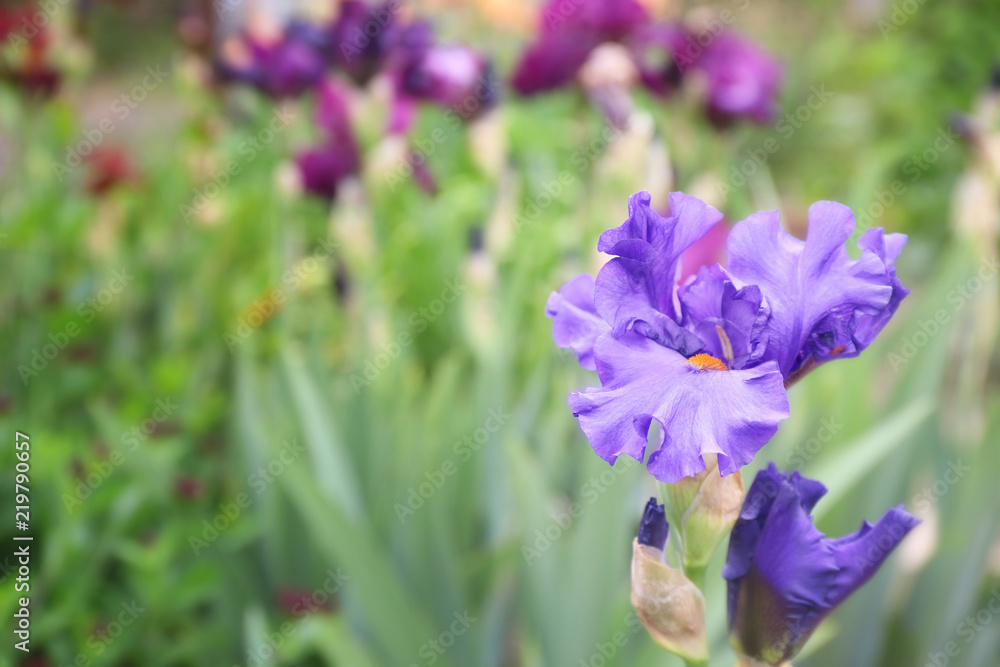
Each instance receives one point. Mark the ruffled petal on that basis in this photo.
(639, 284)
(804, 281)
(575, 322)
(860, 554)
(728, 413)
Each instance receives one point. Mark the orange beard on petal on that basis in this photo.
(706, 362)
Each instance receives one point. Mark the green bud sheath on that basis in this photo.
(702, 509)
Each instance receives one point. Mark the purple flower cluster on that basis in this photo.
(738, 78)
(710, 359)
(363, 42)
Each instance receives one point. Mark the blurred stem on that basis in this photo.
(697, 576)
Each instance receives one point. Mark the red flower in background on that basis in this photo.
(107, 167)
(25, 38)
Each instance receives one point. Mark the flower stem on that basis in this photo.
(697, 576)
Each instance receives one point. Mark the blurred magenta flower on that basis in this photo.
(188, 488)
(736, 78)
(709, 360)
(107, 168)
(25, 39)
(739, 80)
(784, 576)
(742, 80)
(323, 167)
(569, 31)
(297, 601)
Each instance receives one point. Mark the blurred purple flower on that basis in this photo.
(743, 81)
(288, 67)
(323, 167)
(740, 80)
(363, 37)
(784, 576)
(453, 76)
(188, 488)
(570, 30)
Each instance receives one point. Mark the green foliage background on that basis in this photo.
(899, 426)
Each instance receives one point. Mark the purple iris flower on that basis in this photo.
(322, 168)
(570, 30)
(823, 303)
(363, 38)
(691, 360)
(709, 359)
(653, 529)
(286, 68)
(784, 576)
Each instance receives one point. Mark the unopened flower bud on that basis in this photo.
(668, 604)
(703, 510)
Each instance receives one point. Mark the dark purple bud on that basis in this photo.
(653, 528)
(784, 575)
